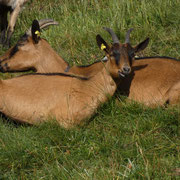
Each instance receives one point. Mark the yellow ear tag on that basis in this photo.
(37, 33)
(103, 47)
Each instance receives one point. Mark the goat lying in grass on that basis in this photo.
(29, 55)
(153, 81)
(68, 98)
(14, 7)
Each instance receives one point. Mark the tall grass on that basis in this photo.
(123, 140)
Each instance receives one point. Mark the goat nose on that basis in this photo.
(126, 69)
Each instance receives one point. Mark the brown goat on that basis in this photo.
(14, 7)
(68, 98)
(154, 81)
(30, 55)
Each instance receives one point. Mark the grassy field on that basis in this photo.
(122, 140)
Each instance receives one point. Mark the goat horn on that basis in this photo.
(43, 23)
(111, 32)
(127, 40)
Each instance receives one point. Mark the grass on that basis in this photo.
(123, 140)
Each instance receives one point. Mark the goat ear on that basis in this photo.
(141, 46)
(35, 30)
(102, 44)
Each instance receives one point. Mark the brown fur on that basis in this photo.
(35, 98)
(40, 57)
(153, 81)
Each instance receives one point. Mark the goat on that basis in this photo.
(154, 81)
(69, 98)
(14, 7)
(30, 55)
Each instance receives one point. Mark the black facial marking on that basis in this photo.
(13, 51)
(116, 55)
(21, 42)
(131, 55)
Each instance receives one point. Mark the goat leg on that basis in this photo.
(12, 22)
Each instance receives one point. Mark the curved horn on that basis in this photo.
(43, 23)
(127, 40)
(111, 32)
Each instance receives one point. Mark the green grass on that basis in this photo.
(122, 140)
